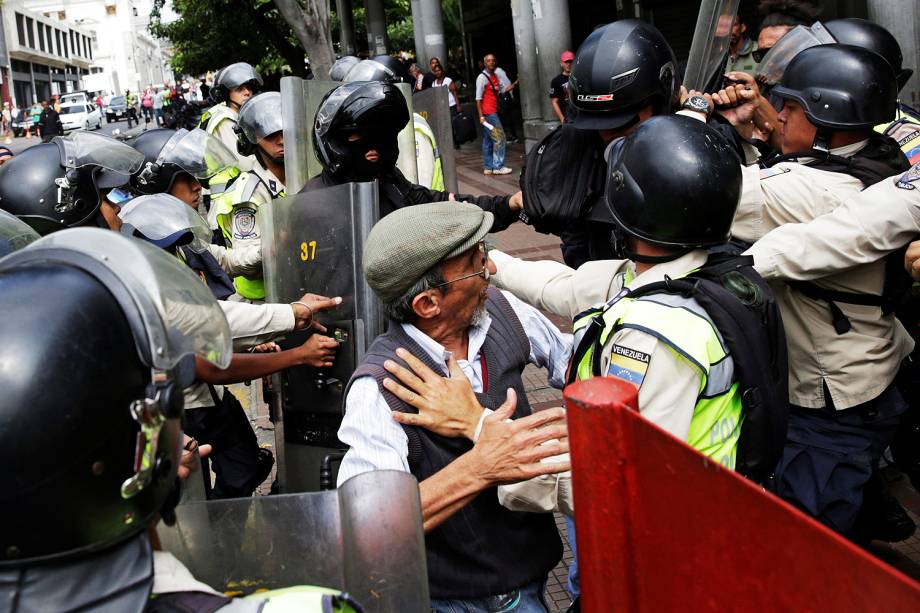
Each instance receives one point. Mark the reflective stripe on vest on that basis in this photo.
(241, 192)
(212, 117)
(437, 175)
(685, 328)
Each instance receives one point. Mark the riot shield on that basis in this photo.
(648, 505)
(299, 100)
(710, 44)
(315, 244)
(365, 538)
(433, 105)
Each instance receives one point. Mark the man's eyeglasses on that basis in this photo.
(484, 273)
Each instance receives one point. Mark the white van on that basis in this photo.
(80, 116)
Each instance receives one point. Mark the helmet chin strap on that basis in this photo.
(621, 250)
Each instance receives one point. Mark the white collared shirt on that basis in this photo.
(377, 442)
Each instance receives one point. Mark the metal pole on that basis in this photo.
(530, 90)
(553, 36)
(343, 9)
(467, 59)
(418, 30)
(902, 19)
(376, 27)
(433, 29)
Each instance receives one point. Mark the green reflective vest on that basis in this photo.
(212, 117)
(241, 192)
(685, 328)
(423, 130)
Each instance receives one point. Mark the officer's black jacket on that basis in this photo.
(396, 192)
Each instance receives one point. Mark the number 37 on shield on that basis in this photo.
(308, 251)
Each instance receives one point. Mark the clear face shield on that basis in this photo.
(771, 69)
(164, 220)
(195, 152)
(173, 317)
(260, 116)
(117, 160)
(14, 233)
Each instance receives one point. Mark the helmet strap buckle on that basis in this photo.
(148, 175)
(67, 185)
(148, 413)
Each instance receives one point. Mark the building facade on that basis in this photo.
(44, 56)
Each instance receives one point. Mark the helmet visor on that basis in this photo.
(14, 233)
(793, 42)
(260, 116)
(237, 74)
(197, 153)
(162, 218)
(81, 149)
(180, 317)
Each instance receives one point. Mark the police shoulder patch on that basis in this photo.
(244, 223)
(908, 179)
(766, 173)
(628, 364)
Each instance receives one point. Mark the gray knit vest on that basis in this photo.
(483, 549)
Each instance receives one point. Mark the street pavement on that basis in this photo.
(20, 144)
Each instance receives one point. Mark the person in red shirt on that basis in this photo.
(490, 84)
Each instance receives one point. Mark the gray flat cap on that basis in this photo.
(405, 244)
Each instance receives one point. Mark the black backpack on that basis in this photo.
(744, 310)
(562, 174)
(464, 128)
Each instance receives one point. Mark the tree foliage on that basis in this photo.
(210, 34)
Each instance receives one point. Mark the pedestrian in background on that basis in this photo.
(489, 88)
(131, 103)
(559, 86)
(49, 123)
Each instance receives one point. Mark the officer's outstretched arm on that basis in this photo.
(318, 351)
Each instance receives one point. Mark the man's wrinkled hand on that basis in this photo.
(509, 451)
(446, 406)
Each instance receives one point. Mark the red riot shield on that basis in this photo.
(663, 528)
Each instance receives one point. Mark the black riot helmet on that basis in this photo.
(375, 111)
(169, 153)
(380, 68)
(100, 336)
(840, 87)
(259, 117)
(871, 36)
(341, 67)
(57, 185)
(687, 204)
(618, 70)
(233, 76)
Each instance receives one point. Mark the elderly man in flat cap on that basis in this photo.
(429, 267)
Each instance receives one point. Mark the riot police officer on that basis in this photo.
(65, 183)
(75, 445)
(844, 409)
(623, 74)
(233, 86)
(355, 139)
(235, 211)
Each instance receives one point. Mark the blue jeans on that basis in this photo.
(573, 586)
(493, 143)
(528, 599)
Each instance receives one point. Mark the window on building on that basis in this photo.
(62, 15)
(49, 38)
(66, 46)
(109, 9)
(30, 31)
(57, 36)
(86, 47)
(41, 36)
(20, 30)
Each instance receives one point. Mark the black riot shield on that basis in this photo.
(315, 244)
(299, 100)
(433, 105)
(365, 538)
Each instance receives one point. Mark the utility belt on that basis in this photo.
(841, 322)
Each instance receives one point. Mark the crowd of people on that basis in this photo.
(753, 291)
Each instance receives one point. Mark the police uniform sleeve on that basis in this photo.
(553, 286)
(254, 324)
(497, 205)
(669, 385)
(867, 227)
(245, 261)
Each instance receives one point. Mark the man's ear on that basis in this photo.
(427, 304)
